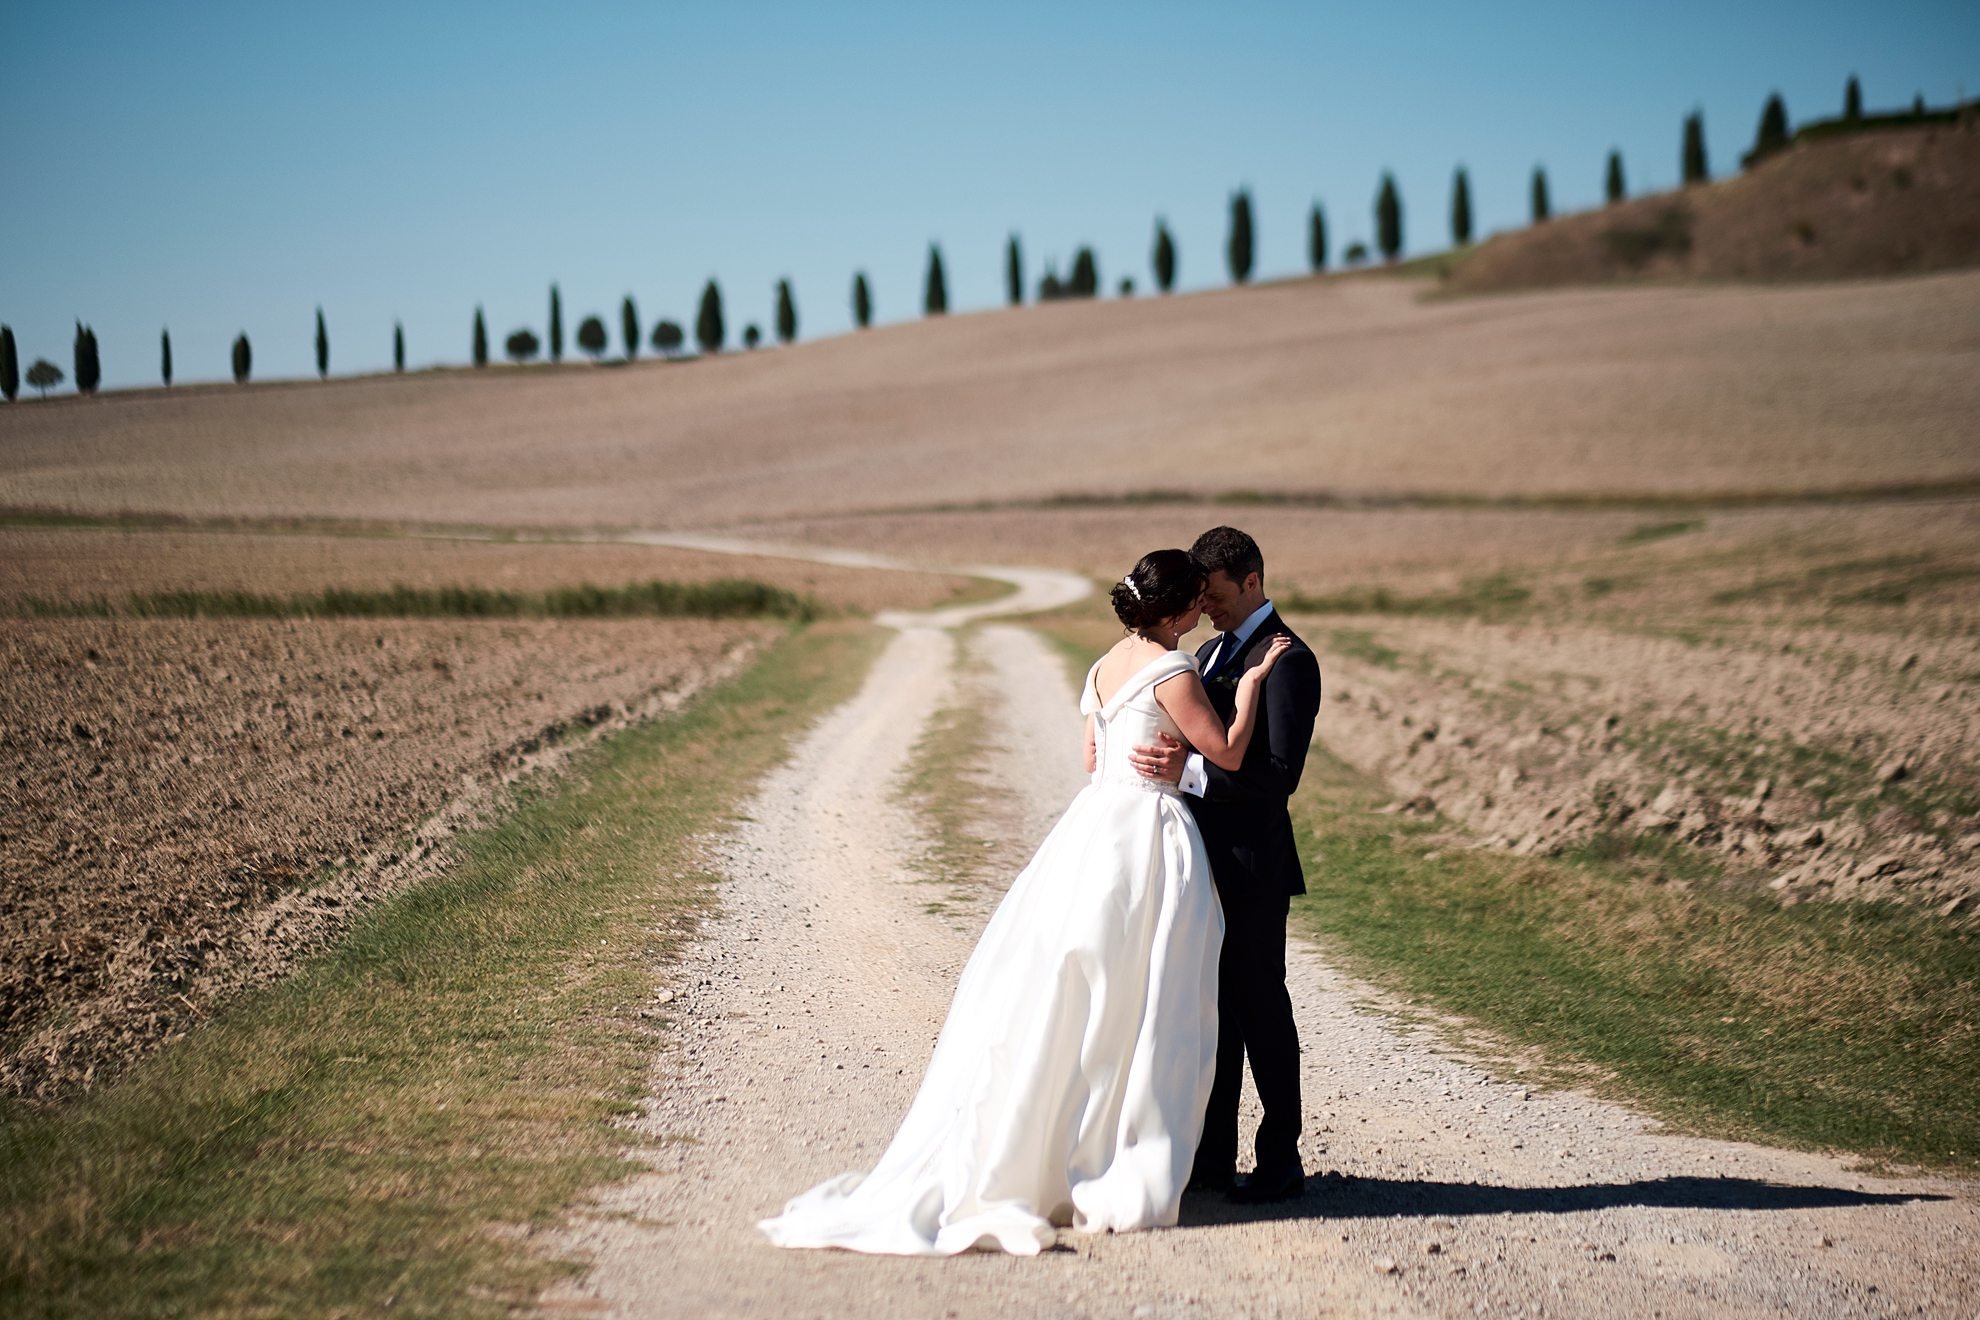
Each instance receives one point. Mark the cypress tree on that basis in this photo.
(1316, 239)
(1773, 134)
(89, 369)
(1085, 274)
(1388, 219)
(1853, 100)
(935, 299)
(1612, 187)
(556, 325)
(708, 329)
(1238, 250)
(1461, 209)
(480, 339)
(322, 347)
(1542, 208)
(1165, 256)
(165, 357)
(629, 327)
(862, 301)
(243, 358)
(786, 313)
(1014, 273)
(10, 365)
(1695, 168)
(398, 346)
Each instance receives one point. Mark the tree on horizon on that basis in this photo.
(629, 326)
(591, 337)
(862, 302)
(1316, 239)
(751, 336)
(243, 359)
(935, 297)
(556, 326)
(398, 346)
(709, 331)
(1543, 207)
(1460, 209)
(1773, 134)
(1853, 100)
(668, 338)
(521, 345)
(1085, 279)
(1127, 286)
(1238, 250)
(165, 357)
(10, 365)
(1013, 273)
(44, 376)
(1164, 257)
(322, 348)
(1696, 169)
(480, 339)
(786, 313)
(89, 368)
(1388, 219)
(1612, 186)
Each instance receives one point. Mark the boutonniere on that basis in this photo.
(1227, 682)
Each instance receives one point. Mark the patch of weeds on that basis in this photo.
(725, 598)
(948, 797)
(1635, 246)
(1359, 644)
(1496, 596)
(1660, 531)
(1597, 587)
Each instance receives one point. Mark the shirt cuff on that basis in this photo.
(1195, 776)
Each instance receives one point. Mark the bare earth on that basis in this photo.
(1342, 385)
(804, 1014)
(188, 805)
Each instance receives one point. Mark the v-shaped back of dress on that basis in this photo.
(1130, 718)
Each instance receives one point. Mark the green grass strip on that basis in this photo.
(346, 1140)
(1828, 1025)
(1633, 968)
(723, 598)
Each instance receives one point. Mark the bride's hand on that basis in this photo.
(1275, 648)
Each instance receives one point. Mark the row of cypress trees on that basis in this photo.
(1083, 281)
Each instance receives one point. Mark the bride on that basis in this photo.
(1068, 1084)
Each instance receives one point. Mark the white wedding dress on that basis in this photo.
(1069, 1082)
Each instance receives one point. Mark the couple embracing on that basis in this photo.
(1089, 1069)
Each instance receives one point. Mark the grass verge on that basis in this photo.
(948, 797)
(359, 1136)
(723, 598)
(1829, 1026)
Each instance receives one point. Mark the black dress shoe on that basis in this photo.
(1283, 1183)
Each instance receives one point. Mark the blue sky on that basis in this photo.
(223, 167)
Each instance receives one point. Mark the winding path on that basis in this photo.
(805, 1012)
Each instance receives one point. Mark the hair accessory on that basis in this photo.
(1133, 590)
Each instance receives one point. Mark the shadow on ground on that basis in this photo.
(1335, 1196)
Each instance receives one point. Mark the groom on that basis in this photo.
(1255, 862)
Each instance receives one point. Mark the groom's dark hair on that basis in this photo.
(1228, 551)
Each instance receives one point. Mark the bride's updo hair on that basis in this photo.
(1162, 585)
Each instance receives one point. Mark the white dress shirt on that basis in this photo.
(1196, 774)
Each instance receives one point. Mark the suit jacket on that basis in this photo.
(1243, 814)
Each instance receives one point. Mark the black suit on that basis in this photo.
(1254, 859)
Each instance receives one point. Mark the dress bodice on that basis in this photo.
(1131, 718)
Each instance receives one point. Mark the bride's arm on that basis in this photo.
(1189, 706)
(1092, 759)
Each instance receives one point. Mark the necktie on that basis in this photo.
(1226, 643)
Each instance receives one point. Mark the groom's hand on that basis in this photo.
(1164, 760)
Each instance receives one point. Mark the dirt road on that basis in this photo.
(804, 1015)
